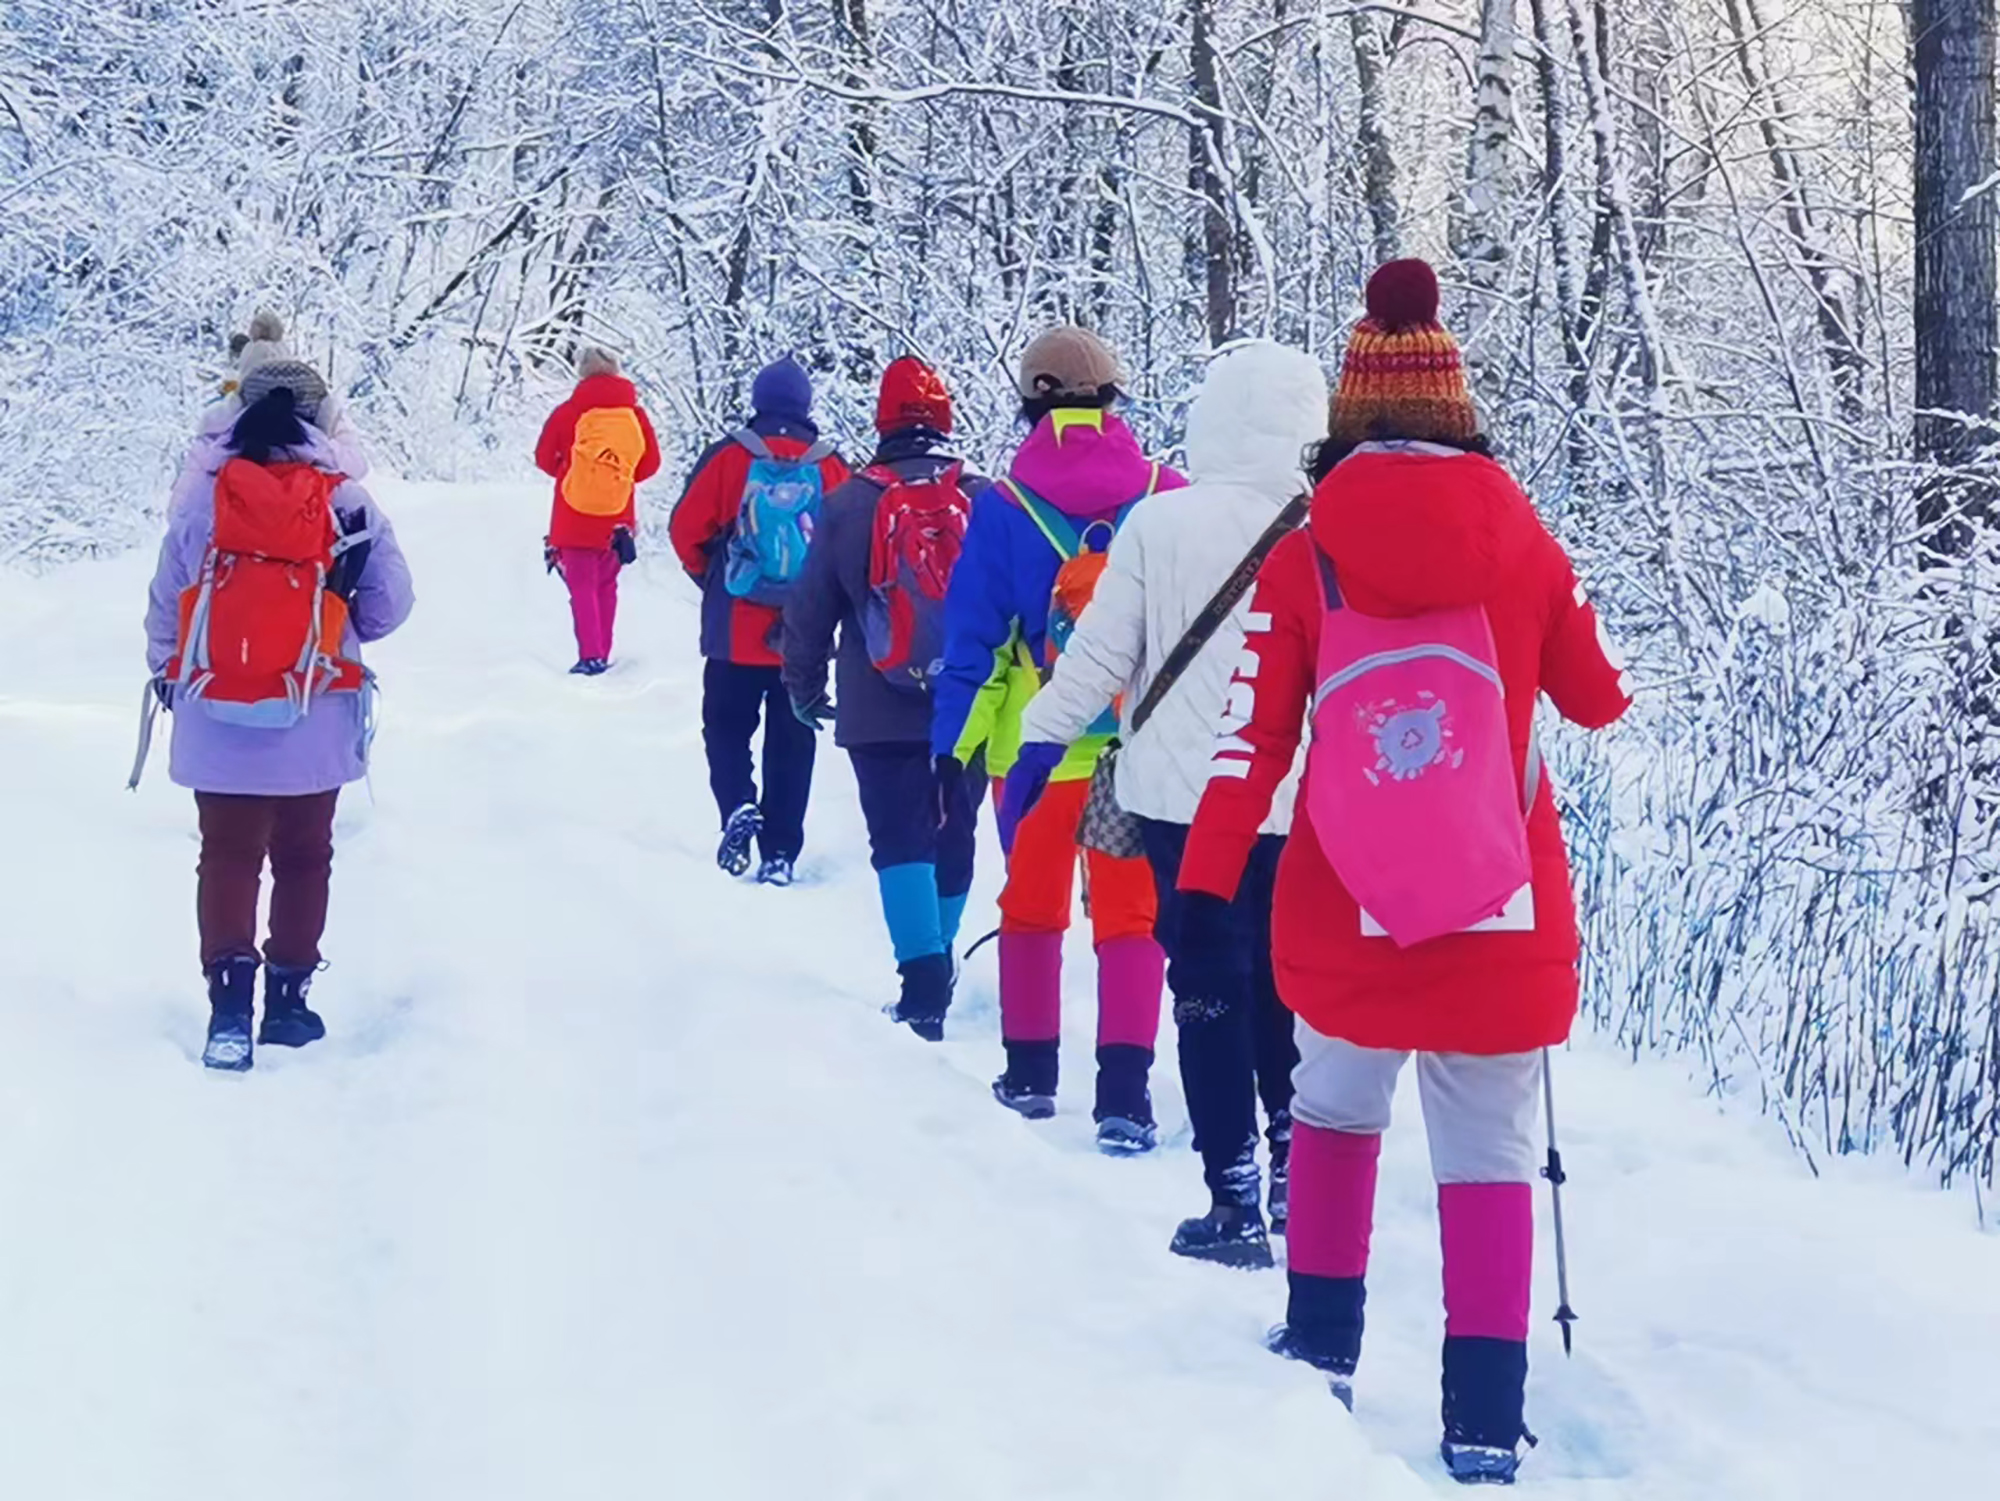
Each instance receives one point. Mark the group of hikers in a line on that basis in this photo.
(1278, 710)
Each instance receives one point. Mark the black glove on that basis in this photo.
(623, 545)
(552, 557)
(1209, 961)
(950, 776)
(163, 690)
(815, 715)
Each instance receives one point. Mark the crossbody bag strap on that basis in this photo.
(1218, 609)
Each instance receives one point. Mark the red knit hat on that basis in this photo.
(1403, 376)
(913, 395)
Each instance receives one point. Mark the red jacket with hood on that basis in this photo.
(571, 528)
(1410, 529)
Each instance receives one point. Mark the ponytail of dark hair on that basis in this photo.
(1035, 408)
(270, 424)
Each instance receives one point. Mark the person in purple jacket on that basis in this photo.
(267, 794)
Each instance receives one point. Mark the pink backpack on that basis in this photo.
(1411, 777)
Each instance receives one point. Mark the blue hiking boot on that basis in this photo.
(1480, 1464)
(288, 1021)
(232, 990)
(777, 870)
(739, 834)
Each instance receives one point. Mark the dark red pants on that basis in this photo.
(237, 835)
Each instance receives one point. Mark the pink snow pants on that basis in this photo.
(592, 576)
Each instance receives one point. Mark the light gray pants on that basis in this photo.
(1480, 1112)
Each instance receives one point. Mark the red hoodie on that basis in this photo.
(1409, 531)
(568, 527)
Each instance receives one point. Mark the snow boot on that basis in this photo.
(1229, 1235)
(1280, 1136)
(739, 833)
(927, 987)
(776, 871)
(1024, 1101)
(1285, 1342)
(588, 667)
(1028, 1087)
(1480, 1464)
(1121, 1136)
(288, 1021)
(1124, 1113)
(1485, 1384)
(232, 990)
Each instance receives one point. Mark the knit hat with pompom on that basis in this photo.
(1403, 376)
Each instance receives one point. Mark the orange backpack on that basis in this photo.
(261, 633)
(603, 458)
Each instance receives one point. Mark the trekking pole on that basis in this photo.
(1553, 1171)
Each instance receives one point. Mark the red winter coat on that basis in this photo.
(735, 630)
(567, 527)
(1411, 530)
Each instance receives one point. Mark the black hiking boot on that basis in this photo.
(1229, 1235)
(232, 991)
(739, 834)
(288, 1021)
(927, 986)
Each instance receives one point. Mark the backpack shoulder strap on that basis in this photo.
(1329, 583)
(1204, 626)
(1052, 524)
(753, 443)
(820, 451)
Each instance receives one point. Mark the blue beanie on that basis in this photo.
(783, 389)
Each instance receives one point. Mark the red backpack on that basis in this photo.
(261, 633)
(919, 533)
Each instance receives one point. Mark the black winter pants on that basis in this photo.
(733, 698)
(1234, 1050)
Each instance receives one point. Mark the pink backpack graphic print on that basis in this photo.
(1411, 787)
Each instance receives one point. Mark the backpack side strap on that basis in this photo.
(1052, 524)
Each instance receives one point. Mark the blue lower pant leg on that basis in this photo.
(910, 906)
(951, 912)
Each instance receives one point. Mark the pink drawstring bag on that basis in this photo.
(1411, 787)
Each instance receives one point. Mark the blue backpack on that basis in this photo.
(774, 522)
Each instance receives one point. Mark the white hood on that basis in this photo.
(1259, 406)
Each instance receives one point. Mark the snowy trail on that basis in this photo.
(611, 1182)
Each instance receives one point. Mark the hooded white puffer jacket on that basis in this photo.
(1258, 409)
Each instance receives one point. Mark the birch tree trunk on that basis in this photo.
(1483, 244)
(1953, 42)
(1378, 157)
(1206, 145)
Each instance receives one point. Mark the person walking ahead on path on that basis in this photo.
(599, 447)
(1072, 483)
(275, 558)
(886, 548)
(1258, 409)
(1418, 620)
(742, 529)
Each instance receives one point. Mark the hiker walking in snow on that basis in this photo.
(266, 343)
(1163, 634)
(599, 447)
(276, 567)
(887, 544)
(742, 529)
(1417, 621)
(1034, 549)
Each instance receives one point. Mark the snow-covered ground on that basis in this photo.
(611, 1182)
